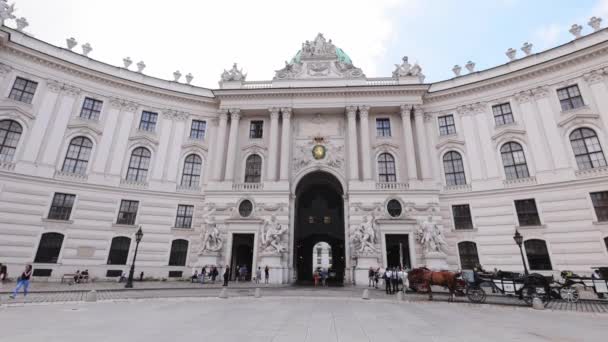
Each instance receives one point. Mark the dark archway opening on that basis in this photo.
(319, 217)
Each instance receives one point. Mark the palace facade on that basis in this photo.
(256, 173)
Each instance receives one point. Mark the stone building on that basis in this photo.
(256, 173)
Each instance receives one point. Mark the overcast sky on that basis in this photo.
(204, 37)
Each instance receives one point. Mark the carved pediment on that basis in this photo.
(254, 147)
(578, 119)
(195, 145)
(16, 111)
(449, 142)
(144, 139)
(89, 126)
(385, 145)
(517, 132)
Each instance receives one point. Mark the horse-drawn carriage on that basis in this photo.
(568, 288)
(525, 287)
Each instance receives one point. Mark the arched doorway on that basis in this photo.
(319, 217)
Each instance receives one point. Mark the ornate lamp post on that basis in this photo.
(519, 239)
(138, 237)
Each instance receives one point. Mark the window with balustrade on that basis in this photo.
(191, 175)
(514, 161)
(253, 169)
(139, 165)
(10, 133)
(587, 149)
(77, 156)
(23, 90)
(453, 168)
(386, 168)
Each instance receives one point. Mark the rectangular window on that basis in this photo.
(148, 121)
(446, 125)
(91, 109)
(462, 216)
(503, 114)
(23, 90)
(128, 212)
(184, 216)
(600, 204)
(570, 97)
(61, 208)
(383, 127)
(256, 129)
(527, 212)
(197, 131)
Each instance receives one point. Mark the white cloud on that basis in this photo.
(204, 37)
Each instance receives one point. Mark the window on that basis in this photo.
(514, 161)
(179, 253)
(23, 90)
(256, 129)
(503, 114)
(184, 216)
(570, 97)
(527, 213)
(191, 176)
(587, 149)
(197, 131)
(253, 169)
(538, 255)
(148, 121)
(386, 168)
(454, 169)
(600, 204)
(462, 216)
(10, 132)
(383, 127)
(49, 248)
(91, 109)
(469, 258)
(77, 157)
(139, 164)
(127, 212)
(606, 242)
(245, 208)
(61, 208)
(119, 251)
(394, 208)
(446, 125)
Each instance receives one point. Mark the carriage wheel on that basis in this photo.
(529, 293)
(476, 294)
(569, 294)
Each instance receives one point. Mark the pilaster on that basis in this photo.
(220, 144)
(408, 135)
(235, 118)
(365, 144)
(285, 143)
(271, 168)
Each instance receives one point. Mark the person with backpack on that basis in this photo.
(23, 282)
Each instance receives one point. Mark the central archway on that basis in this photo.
(319, 217)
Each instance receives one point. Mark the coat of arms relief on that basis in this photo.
(319, 151)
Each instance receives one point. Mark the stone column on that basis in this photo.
(285, 143)
(365, 145)
(596, 81)
(235, 117)
(220, 143)
(408, 135)
(271, 168)
(423, 150)
(353, 160)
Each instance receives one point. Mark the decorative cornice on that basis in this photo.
(364, 111)
(523, 96)
(123, 104)
(274, 113)
(4, 69)
(175, 115)
(540, 92)
(595, 76)
(286, 113)
(472, 109)
(351, 111)
(54, 86)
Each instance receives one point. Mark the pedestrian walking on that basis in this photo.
(387, 281)
(370, 275)
(376, 277)
(23, 282)
(226, 275)
(395, 280)
(258, 275)
(203, 274)
(3, 273)
(214, 274)
(266, 274)
(324, 276)
(316, 276)
(237, 272)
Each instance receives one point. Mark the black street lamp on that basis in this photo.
(519, 239)
(138, 237)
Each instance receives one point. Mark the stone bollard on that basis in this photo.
(224, 293)
(538, 304)
(91, 296)
(257, 293)
(365, 294)
(399, 296)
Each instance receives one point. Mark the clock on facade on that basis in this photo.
(318, 152)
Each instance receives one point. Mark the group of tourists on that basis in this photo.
(80, 277)
(241, 273)
(210, 273)
(320, 274)
(395, 279)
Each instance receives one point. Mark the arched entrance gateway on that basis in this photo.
(319, 217)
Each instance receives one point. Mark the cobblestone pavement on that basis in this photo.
(292, 319)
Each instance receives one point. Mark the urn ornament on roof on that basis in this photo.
(6, 11)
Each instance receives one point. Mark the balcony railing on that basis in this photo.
(392, 186)
(59, 174)
(593, 172)
(509, 183)
(247, 186)
(188, 188)
(457, 188)
(381, 81)
(134, 183)
(7, 165)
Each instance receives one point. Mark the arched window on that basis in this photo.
(77, 157)
(469, 258)
(587, 149)
(514, 161)
(119, 250)
(386, 168)
(191, 176)
(179, 253)
(538, 255)
(454, 169)
(49, 248)
(253, 169)
(139, 164)
(10, 132)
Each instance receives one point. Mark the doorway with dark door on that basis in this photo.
(397, 251)
(242, 256)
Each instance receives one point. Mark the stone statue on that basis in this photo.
(235, 74)
(431, 237)
(363, 237)
(272, 234)
(211, 237)
(289, 71)
(403, 69)
(6, 11)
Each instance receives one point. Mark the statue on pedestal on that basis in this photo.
(363, 237)
(235, 74)
(211, 236)
(272, 234)
(6, 11)
(431, 237)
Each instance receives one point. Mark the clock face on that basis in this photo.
(318, 152)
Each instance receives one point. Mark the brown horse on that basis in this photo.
(423, 279)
